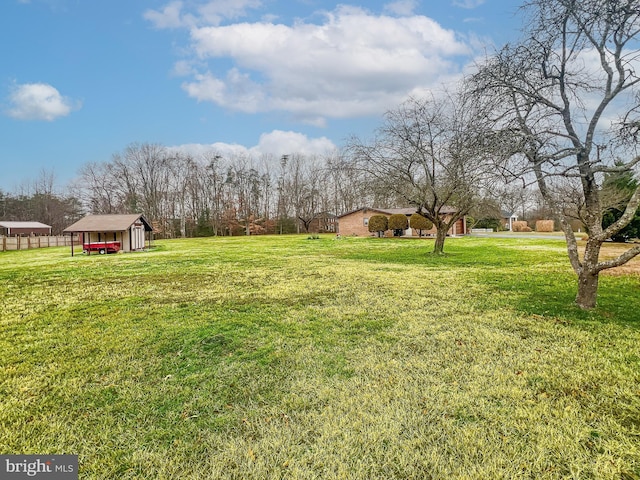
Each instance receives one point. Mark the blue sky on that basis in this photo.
(80, 80)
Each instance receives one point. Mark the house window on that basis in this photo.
(366, 222)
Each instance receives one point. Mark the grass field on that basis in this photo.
(285, 357)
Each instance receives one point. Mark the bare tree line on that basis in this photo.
(209, 194)
(40, 201)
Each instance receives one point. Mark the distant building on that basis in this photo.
(16, 229)
(508, 219)
(324, 223)
(356, 222)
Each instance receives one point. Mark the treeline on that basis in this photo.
(185, 195)
(39, 202)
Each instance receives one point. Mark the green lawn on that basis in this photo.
(285, 357)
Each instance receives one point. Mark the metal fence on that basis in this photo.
(26, 243)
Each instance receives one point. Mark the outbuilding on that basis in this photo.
(508, 219)
(16, 229)
(112, 233)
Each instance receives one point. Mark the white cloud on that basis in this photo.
(213, 12)
(200, 150)
(184, 68)
(469, 4)
(402, 7)
(278, 142)
(169, 17)
(270, 145)
(354, 63)
(38, 101)
(237, 91)
(209, 12)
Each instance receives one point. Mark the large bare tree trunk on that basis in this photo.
(587, 289)
(441, 234)
(588, 273)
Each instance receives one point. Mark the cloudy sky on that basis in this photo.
(80, 80)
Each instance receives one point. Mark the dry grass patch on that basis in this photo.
(611, 250)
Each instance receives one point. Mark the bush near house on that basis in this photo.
(420, 223)
(520, 226)
(398, 223)
(379, 224)
(544, 226)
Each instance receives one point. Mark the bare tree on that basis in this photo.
(514, 198)
(97, 188)
(554, 96)
(181, 169)
(296, 186)
(429, 154)
(44, 198)
(211, 186)
(346, 185)
(304, 190)
(149, 165)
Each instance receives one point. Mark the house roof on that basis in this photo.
(107, 223)
(379, 210)
(23, 225)
(391, 211)
(403, 211)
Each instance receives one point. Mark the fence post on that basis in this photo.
(27, 243)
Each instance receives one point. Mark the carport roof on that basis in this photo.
(23, 225)
(107, 223)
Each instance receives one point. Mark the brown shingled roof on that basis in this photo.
(107, 223)
(405, 211)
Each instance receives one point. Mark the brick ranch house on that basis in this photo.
(356, 222)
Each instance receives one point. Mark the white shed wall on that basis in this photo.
(137, 236)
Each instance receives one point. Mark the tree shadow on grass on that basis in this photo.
(553, 295)
(450, 258)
